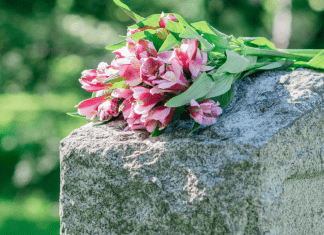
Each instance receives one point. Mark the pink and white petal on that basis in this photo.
(203, 56)
(89, 74)
(207, 68)
(194, 103)
(102, 66)
(160, 113)
(89, 105)
(122, 93)
(194, 67)
(176, 67)
(166, 85)
(140, 109)
(172, 17)
(139, 90)
(133, 79)
(151, 125)
(124, 70)
(165, 56)
(208, 120)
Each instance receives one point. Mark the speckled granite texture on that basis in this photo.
(252, 172)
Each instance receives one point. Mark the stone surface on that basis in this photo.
(252, 172)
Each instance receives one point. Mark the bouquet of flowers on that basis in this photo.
(166, 66)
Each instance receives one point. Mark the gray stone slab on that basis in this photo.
(252, 172)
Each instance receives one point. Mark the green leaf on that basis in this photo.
(234, 63)
(93, 94)
(113, 78)
(174, 27)
(128, 11)
(205, 27)
(198, 89)
(157, 132)
(102, 123)
(152, 20)
(116, 45)
(120, 84)
(215, 55)
(195, 127)
(238, 42)
(182, 21)
(219, 42)
(221, 85)
(141, 35)
(317, 61)
(157, 42)
(169, 42)
(273, 65)
(189, 33)
(76, 115)
(261, 42)
(224, 99)
(252, 59)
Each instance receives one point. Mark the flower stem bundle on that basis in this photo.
(166, 66)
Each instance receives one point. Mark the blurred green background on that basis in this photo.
(44, 47)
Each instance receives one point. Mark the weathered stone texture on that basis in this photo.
(252, 172)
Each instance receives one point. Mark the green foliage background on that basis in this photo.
(44, 47)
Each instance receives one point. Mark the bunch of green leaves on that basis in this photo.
(234, 58)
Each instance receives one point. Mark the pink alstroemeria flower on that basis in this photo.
(108, 109)
(131, 57)
(94, 85)
(105, 71)
(139, 102)
(199, 64)
(127, 108)
(150, 69)
(204, 112)
(89, 107)
(185, 53)
(160, 116)
(163, 20)
(173, 80)
(190, 57)
(92, 80)
(145, 100)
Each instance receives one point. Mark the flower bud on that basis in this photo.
(162, 33)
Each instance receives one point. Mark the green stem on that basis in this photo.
(262, 52)
(313, 52)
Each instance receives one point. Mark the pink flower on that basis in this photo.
(150, 70)
(199, 64)
(108, 109)
(165, 56)
(92, 80)
(145, 49)
(185, 53)
(163, 20)
(137, 106)
(160, 116)
(95, 85)
(190, 58)
(173, 80)
(89, 75)
(204, 112)
(131, 72)
(89, 107)
(145, 100)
